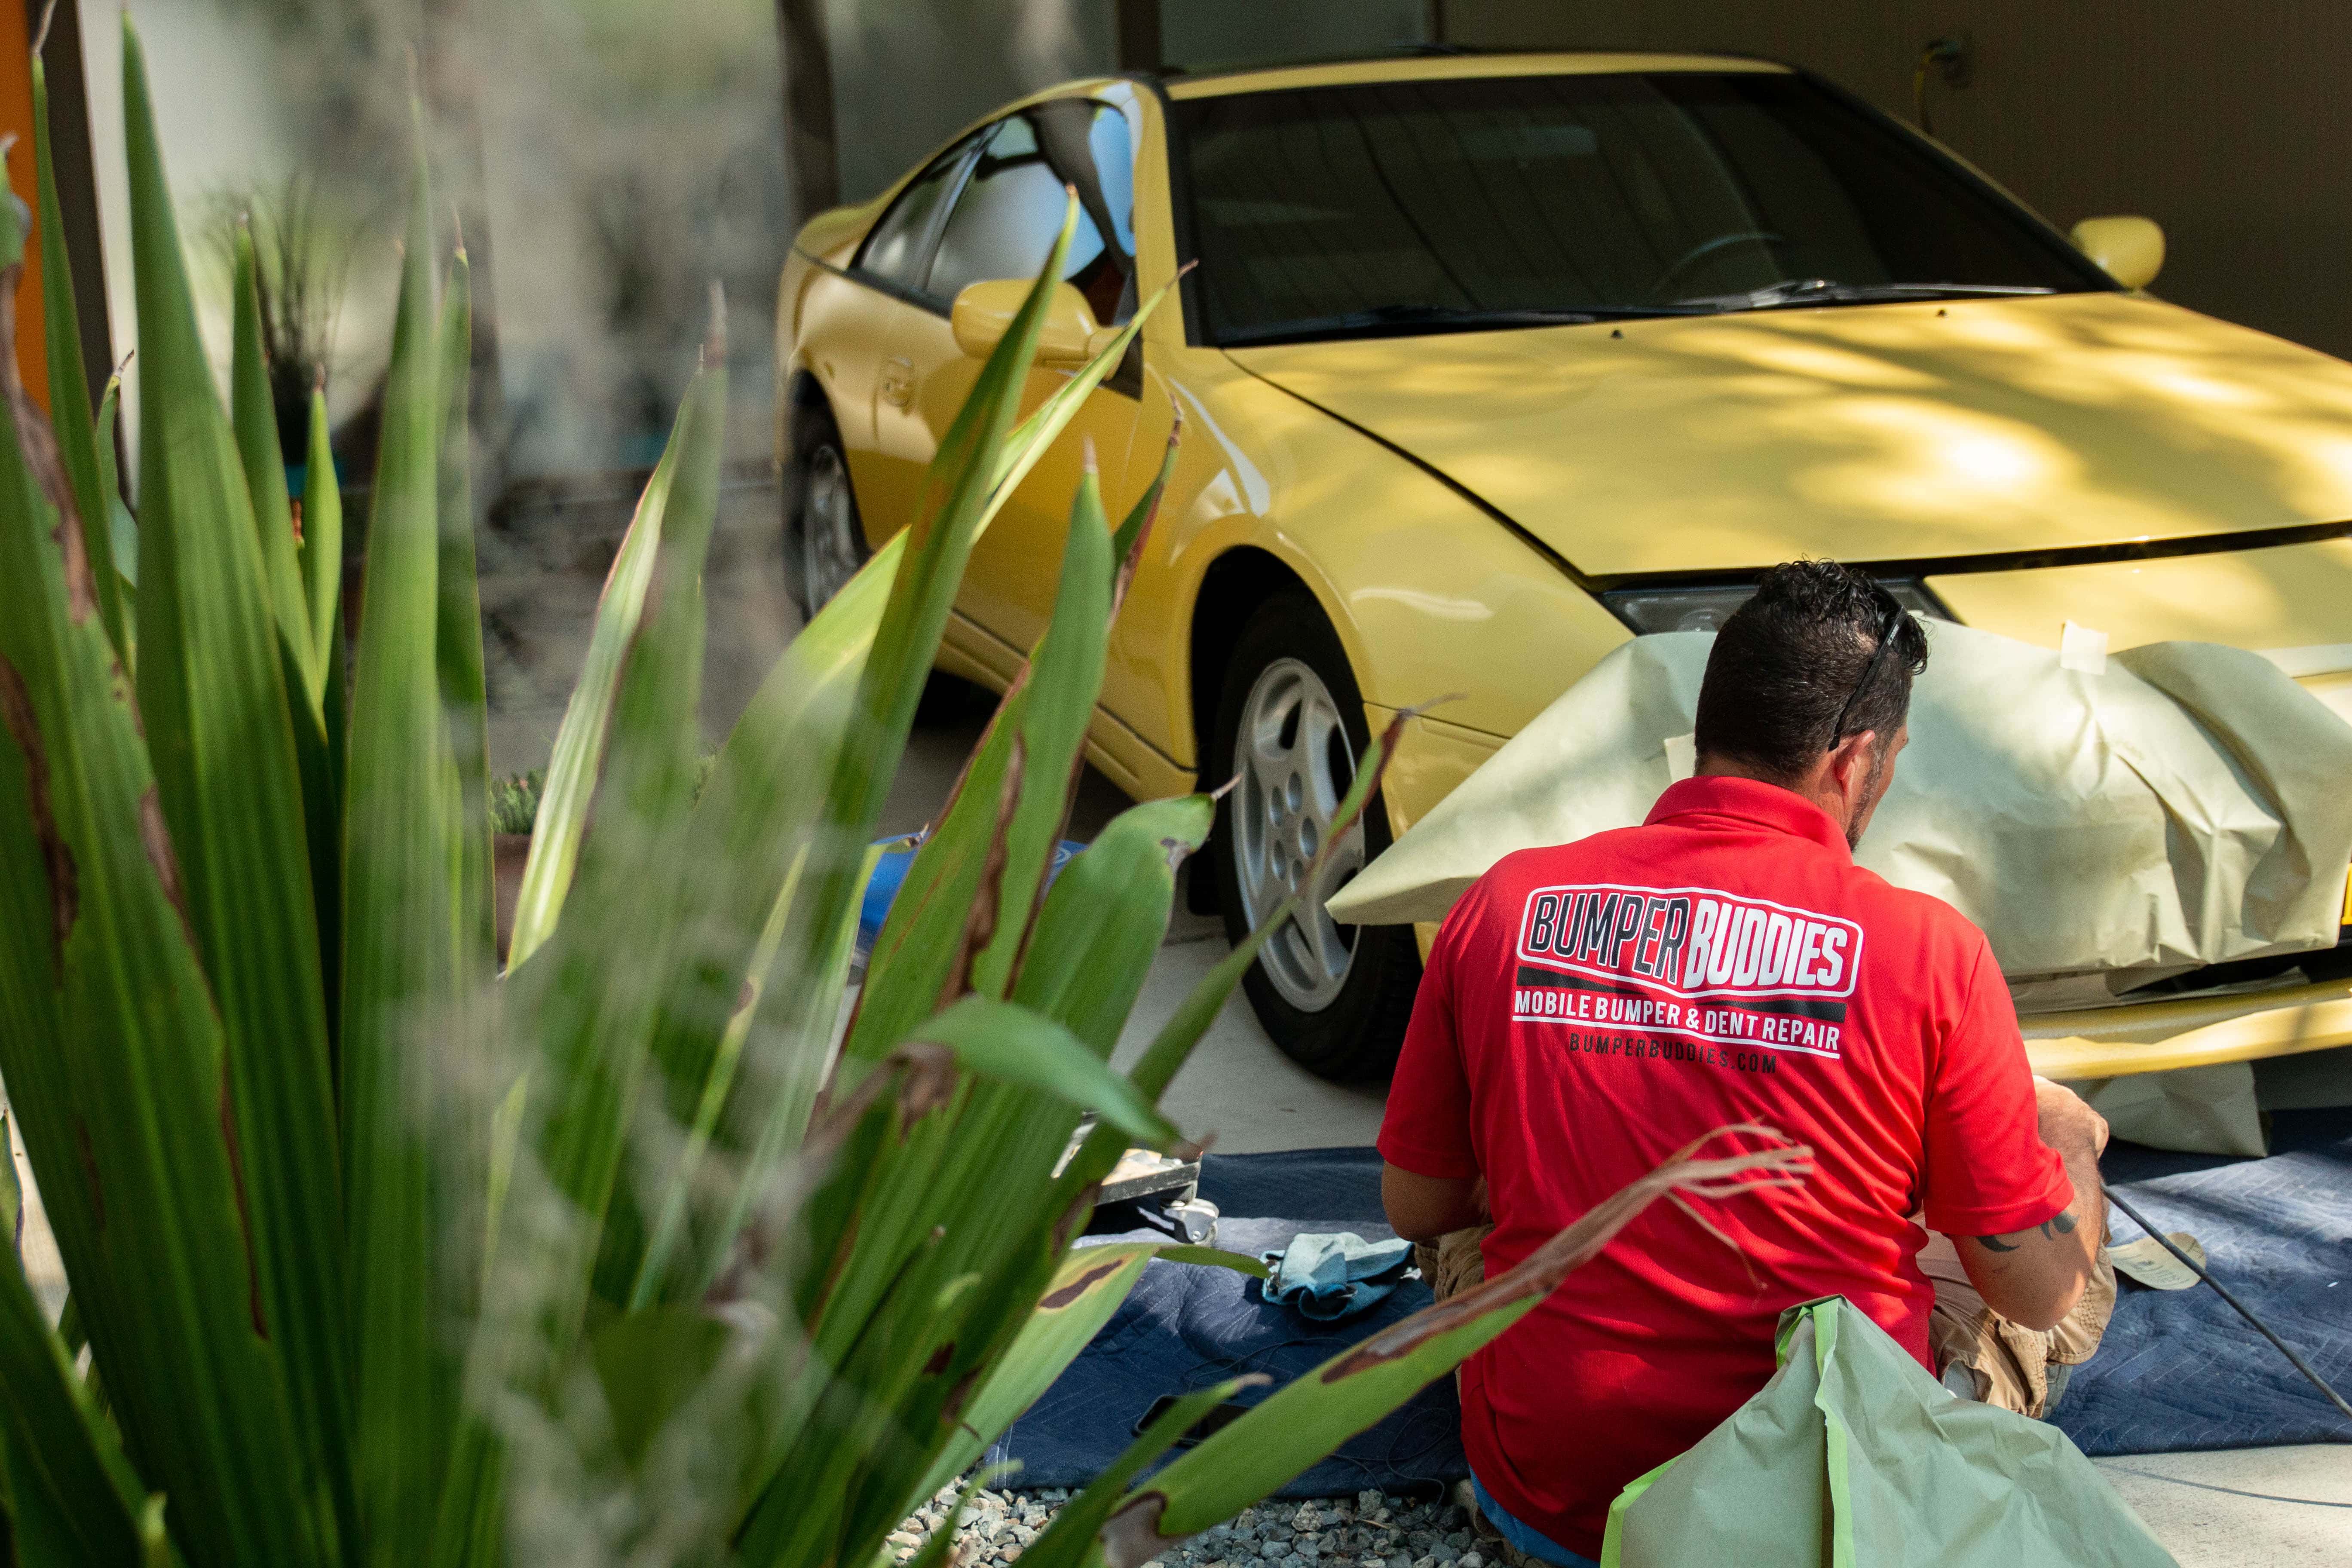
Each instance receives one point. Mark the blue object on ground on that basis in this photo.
(1329, 1275)
(890, 875)
(2179, 1370)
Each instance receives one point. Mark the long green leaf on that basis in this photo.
(122, 1090)
(702, 1123)
(970, 897)
(254, 415)
(318, 723)
(458, 636)
(1127, 544)
(215, 697)
(123, 529)
(401, 978)
(1172, 1044)
(590, 1002)
(579, 755)
(1014, 1046)
(1105, 917)
(12, 1195)
(322, 540)
(69, 383)
(923, 590)
(751, 830)
(1028, 441)
(71, 1497)
(1047, 712)
(956, 494)
(1092, 945)
(597, 1005)
(1065, 683)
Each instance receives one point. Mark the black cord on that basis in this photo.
(2285, 1349)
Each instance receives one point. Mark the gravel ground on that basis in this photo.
(1370, 1529)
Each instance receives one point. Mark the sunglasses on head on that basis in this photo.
(1888, 625)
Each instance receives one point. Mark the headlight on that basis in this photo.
(1705, 609)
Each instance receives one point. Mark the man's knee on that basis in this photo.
(1982, 1355)
(1452, 1263)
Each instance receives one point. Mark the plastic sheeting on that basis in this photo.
(1854, 1455)
(2173, 805)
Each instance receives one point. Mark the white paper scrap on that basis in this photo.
(1682, 757)
(2146, 1261)
(2081, 647)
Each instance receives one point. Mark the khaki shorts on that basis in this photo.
(1979, 1354)
(2016, 1368)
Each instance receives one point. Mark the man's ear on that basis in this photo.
(1850, 763)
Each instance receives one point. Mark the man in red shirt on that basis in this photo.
(1588, 1009)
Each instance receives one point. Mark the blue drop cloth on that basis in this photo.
(2177, 1370)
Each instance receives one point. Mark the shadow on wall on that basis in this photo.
(909, 73)
(604, 163)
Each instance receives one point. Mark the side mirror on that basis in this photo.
(2130, 249)
(984, 312)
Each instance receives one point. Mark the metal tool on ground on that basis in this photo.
(2223, 1290)
(1166, 1185)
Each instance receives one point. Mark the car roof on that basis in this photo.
(1452, 66)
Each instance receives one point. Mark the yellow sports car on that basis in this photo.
(1489, 364)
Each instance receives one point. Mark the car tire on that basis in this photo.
(824, 538)
(1289, 729)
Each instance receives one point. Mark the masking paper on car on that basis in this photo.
(1853, 1455)
(2206, 1110)
(2185, 806)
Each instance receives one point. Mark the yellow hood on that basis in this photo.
(1911, 432)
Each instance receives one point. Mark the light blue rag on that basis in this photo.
(1334, 1274)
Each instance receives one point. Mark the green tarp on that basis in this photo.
(1852, 1457)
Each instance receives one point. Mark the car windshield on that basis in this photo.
(1414, 206)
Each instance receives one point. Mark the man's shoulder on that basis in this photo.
(1924, 916)
(1555, 862)
(1502, 891)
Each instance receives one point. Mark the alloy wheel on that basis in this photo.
(830, 547)
(1296, 764)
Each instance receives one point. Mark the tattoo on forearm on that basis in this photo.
(2063, 1224)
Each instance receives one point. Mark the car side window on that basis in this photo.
(1005, 222)
(897, 250)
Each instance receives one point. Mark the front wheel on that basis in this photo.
(1289, 731)
(825, 541)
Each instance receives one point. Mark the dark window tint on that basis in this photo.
(1005, 222)
(899, 245)
(1614, 192)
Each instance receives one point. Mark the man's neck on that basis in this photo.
(1817, 787)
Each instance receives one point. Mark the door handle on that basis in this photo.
(899, 382)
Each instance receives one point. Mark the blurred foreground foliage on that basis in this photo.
(629, 1252)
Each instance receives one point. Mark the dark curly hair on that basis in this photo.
(1797, 669)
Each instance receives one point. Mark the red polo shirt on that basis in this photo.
(1591, 1008)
